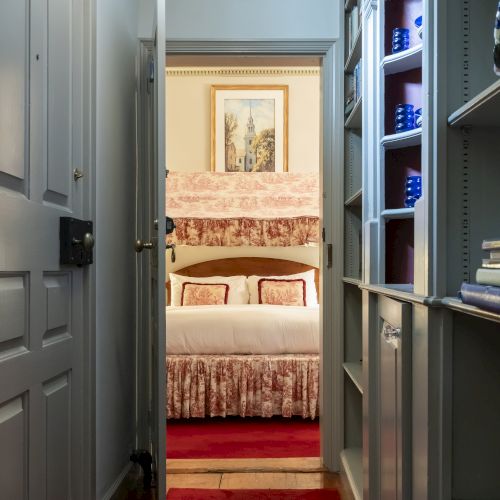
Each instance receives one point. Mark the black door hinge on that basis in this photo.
(323, 235)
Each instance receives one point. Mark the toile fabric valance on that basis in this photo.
(243, 209)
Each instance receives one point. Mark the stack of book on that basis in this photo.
(486, 294)
(357, 75)
(355, 95)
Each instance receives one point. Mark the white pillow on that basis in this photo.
(308, 277)
(238, 292)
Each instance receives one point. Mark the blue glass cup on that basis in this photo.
(404, 118)
(400, 39)
(418, 24)
(413, 190)
(418, 117)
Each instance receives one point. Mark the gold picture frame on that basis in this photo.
(259, 105)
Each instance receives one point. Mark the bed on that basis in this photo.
(246, 360)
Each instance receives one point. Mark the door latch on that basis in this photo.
(169, 225)
(171, 246)
(76, 241)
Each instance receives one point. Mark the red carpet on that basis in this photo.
(199, 494)
(237, 437)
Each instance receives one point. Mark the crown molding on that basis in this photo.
(242, 72)
(275, 46)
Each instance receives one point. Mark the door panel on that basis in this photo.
(57, 405)
(57, 293)
(395, 399)
(14, 38)
(59, 102)
(13, 309)
(13, 452)
(41, 304)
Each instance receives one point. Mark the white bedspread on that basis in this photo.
(242, 329)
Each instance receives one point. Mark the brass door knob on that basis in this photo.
(143, 245)
(87, 242)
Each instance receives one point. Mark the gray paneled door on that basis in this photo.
(41, 302)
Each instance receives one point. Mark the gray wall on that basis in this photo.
(260, 19)
(145, 18)
(116, 47)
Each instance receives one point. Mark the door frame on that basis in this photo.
(89, 210)
(331, 53)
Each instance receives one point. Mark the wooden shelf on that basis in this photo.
(457, 305)
(481, 111)
(403, 61)
(399, 292)
(354, 120)
(349, 4)
(355, 372)
(352, 463)
(351, 281)
(355, 200)
(398, 213)
(355, 54)
(402, 140)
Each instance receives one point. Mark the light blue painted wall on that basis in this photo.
(145, 18)
(116, 48)
(258, 19)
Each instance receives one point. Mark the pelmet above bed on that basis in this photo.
(243, 209)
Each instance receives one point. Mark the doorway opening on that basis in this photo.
(244, 160)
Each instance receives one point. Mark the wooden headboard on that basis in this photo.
(245, 266)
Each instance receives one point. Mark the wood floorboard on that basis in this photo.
(279, 480)
(183, 466)
(238, 479)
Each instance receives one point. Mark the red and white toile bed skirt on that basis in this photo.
(244, 385)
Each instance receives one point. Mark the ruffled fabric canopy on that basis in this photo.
(243, 209)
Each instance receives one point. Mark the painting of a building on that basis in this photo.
(248, 148)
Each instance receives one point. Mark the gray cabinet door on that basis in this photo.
(41, 303)
(395, 398)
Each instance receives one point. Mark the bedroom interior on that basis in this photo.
(243, 377)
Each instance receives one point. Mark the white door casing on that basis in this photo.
(41, 302)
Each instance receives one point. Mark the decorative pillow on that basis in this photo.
(238, 291)
(282, 292)
(308, 277)
(204, 294)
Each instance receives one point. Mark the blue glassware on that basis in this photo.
(413, 190)
(400, 39)
(404, 118)
(418, 117)
(418, 24)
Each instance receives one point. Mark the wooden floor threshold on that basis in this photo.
(221, 465)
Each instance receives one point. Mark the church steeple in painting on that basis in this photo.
(250, 156)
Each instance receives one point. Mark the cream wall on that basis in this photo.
(188, 138)
(188, 112)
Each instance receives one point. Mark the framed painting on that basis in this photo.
(249, 128)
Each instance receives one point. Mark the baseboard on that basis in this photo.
(117, 483)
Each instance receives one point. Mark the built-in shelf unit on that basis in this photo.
(351, 456)
(421, 365)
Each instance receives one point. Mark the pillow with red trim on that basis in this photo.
(204, 294)
(282, 292)
(307, 276)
